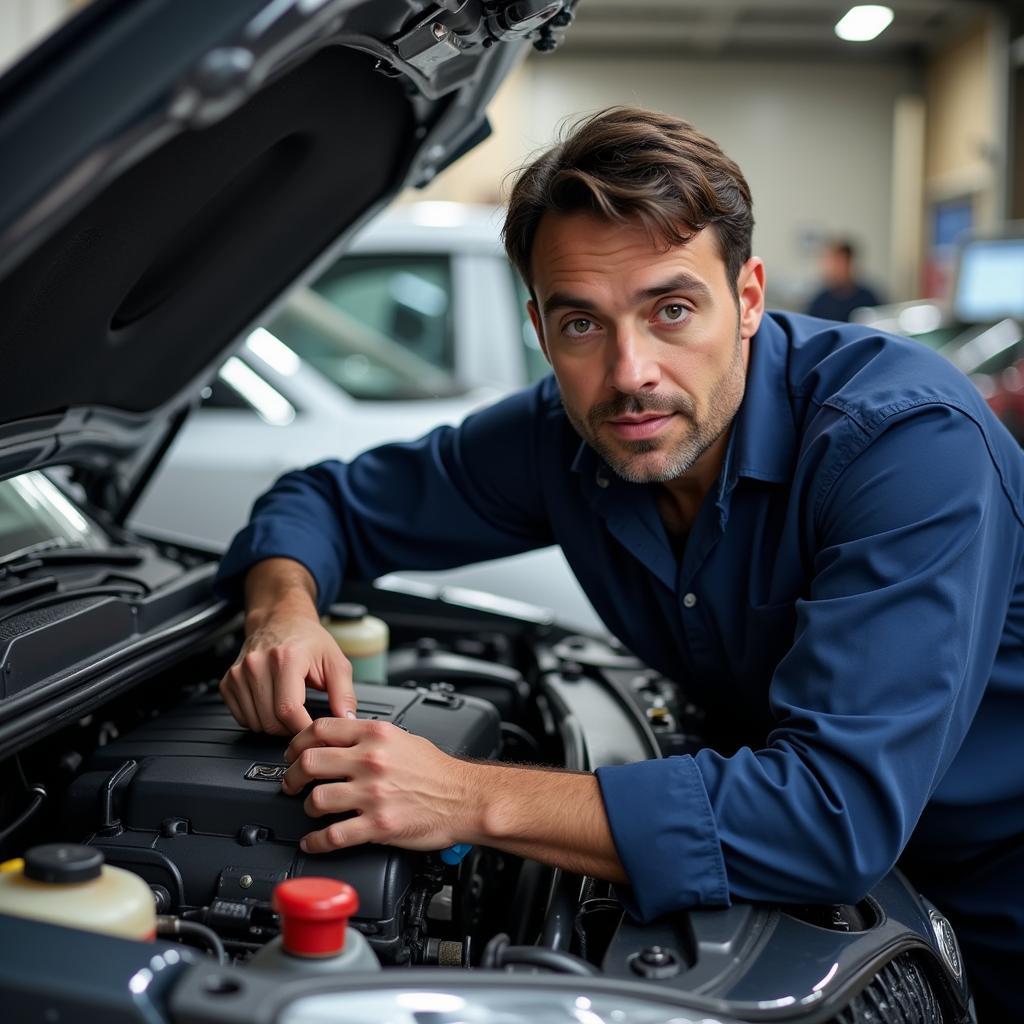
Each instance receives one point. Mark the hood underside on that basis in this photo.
(139, 290)
(206, 163)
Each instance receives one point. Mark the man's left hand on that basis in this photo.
(404, 790)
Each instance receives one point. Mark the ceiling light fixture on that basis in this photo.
(864, 22)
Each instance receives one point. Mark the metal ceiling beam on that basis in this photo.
(825, 8)
(705, 27)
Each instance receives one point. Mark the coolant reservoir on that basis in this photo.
(363, 639)
(68, 884)
(315, 937)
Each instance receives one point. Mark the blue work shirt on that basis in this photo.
(848, 607)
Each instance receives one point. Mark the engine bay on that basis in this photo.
(167, 785)
(192, 803)
(162, 781)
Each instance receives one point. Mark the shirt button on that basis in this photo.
(602, 480)
(689, 600)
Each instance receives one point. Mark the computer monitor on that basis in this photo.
(990, 280)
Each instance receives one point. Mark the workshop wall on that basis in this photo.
(815, 141)
(965, 173)
(964, 120)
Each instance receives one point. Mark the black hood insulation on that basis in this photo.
(135, 295)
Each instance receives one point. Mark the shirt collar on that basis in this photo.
(630, 512)
(763, 441)
(586, 459)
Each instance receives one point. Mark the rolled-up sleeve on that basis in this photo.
(914, 549)
(664, 831)
(458, 495)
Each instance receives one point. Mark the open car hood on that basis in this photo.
(170, 168)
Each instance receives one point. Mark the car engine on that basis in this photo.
(192, 803)
(165, 784)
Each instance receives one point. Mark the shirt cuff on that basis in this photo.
(665, 834)
(264, 539)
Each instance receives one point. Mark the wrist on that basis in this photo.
(284, 611)
(278, 588)
(485, 814)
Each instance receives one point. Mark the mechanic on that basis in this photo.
(816, 527)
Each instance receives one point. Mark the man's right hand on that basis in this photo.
(285, 649)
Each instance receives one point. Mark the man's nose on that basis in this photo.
(633, 362)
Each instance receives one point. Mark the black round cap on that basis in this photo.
(347, 612)
(63, 863)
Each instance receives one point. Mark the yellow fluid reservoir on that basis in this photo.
(68, 884)
(363, 639)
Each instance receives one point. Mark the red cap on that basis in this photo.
(314, 913)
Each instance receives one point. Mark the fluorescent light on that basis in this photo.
(271, 405)
(864, 22)
(273, 351)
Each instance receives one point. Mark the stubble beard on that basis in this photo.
(627, 459)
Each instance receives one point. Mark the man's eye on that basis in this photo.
(579, 326)
(673, 312)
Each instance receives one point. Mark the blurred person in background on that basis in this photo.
(817, 527)
(841, 293)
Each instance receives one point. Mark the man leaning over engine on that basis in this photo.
(816, 525)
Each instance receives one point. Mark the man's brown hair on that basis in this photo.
(632, 165)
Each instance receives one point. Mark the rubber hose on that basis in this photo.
(191, 931)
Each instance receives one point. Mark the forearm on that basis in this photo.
(554, 817)
(275, 586)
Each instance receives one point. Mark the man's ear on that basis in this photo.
(750, 293)
(538, 327)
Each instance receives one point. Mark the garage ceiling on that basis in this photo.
(762, 28)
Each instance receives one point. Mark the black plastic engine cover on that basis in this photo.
(196, 763)
(202, 814)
